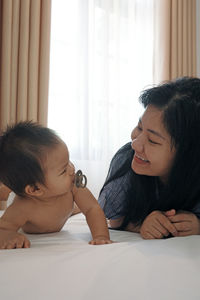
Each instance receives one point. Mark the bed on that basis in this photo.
(64, 266)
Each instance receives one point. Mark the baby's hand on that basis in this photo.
(12, 240)
(100, 240)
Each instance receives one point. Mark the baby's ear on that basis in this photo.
(33, 190)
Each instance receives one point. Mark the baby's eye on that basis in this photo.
(139, 128)
(64, 171)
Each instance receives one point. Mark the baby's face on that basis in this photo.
(59, 171)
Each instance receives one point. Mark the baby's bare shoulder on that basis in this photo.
(16, 215)
(22, 205)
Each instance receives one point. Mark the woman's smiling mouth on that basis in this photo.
(140, 160)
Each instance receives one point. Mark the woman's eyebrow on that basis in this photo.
(153, 131)
(156, 133)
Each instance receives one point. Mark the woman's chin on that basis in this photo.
(137, 169)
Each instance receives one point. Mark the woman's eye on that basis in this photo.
(152, 142)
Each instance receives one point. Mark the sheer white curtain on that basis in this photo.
(101, 58)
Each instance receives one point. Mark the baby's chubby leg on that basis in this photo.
(4, 192)
(12, 240)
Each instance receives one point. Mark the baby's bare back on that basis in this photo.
(49, 216)
(38, 216)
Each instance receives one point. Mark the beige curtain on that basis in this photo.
(24, 46)
(175, 39)
(24, 60)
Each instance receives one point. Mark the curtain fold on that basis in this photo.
(175, 39)
(24, 61)
(25, 42)
(45, 26)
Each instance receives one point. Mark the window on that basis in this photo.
(101, 59)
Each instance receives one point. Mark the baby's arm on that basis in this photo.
(76, 210)
(94, 215)
(13, 218)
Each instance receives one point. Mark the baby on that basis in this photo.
(35, 165)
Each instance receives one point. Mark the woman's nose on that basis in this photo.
(138, 144)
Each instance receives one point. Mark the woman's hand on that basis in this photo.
(157, 225)
(186, 223)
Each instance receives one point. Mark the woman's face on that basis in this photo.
(154, 154)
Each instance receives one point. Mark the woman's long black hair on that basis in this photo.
(180, 102)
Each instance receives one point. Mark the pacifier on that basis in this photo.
(80, 179)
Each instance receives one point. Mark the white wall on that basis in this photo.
(198, 36)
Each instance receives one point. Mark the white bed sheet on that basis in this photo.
(64, 266)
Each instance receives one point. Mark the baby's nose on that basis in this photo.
(71, 169)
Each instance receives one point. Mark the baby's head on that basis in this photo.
(23, 150)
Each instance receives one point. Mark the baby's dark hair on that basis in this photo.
(22, 149)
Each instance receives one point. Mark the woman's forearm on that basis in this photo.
(133, 228)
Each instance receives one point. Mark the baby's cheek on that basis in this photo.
(68, 185)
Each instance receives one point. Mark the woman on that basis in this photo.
(153, 184)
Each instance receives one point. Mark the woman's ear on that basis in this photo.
(34, 190)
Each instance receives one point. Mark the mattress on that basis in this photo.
(64, 266)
